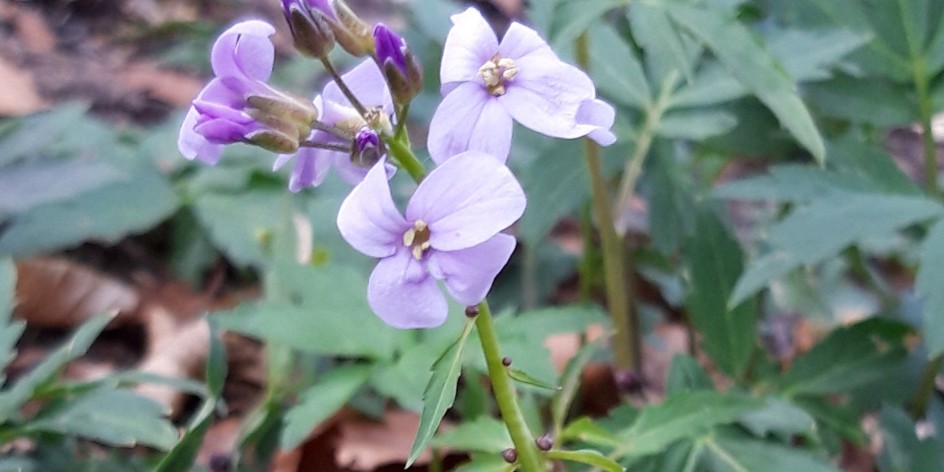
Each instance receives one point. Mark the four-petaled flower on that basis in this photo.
(345, 128)
(238, 105)
(486, 84)
(450, 232)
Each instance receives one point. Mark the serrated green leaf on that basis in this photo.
(850, 357)
(328, 314)
(483, 434)
(715, 262)
(117, 417)
(320, 401)
(14, 397)
(682, 415)
(930, 286)
(440, 392)
(740, 454)
(686, 375)
(586, 456)
(903, 451)
(521, 376)
(573, 17)
(616, 69)
(739, 50)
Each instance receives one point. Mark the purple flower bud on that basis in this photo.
(401, 69)
(367, 149)
(310, 23)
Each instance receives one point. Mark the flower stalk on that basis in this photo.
(626, 339)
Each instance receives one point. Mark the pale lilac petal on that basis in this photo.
(354, 174)
(467, 200)
(223, 131)
(368, 219)
(281, 160)
(405, 302)
(520, 41)
(244, 50)
(311, 167)
(598, 116)
(470, 44)
(469, 118)
(367, 83)
(468, 273)
(545, 96)
(193, 145)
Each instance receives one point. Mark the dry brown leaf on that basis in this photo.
(60, 293)
(18, 95)
(365, 445)
(33, 30)
(165, 85)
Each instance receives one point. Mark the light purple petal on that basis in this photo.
(545, 96)
(467, 200)
(598, 116)
(244, 50)
(520, 41)
(369, 220)
(405, 302)
(354, 174)
(193, 145)
(223, 131)
(470, 43)
(311, 167)
(367, 83)
(469, 118)
(469, 273)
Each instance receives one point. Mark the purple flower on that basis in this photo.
(488, 84)
(349, 130)
(390, 47)
(238, 105)
(450, 233)
(403, 72)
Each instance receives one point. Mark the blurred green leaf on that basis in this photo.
(320, 401)
(486, 463)
(822, 229)
(573, 17)
(695, 124)
(807, 55)
(616, 69)
(10, 331)
(686, 375)
(715, 262)
(778, 416)
(903, 450)
(850, 357)
(12, 398)
(740, 454)
(929, 286)
(440, 392)
(570, 381)
(556, 184)
(327, 314)
(855, 99)
(241, 224)
(586, 456)
(117, 417)
(739, 50)
(181, 456)
(681, 415)
(666, 50)
(483, 434)
(671, 199)
(29, 185)
(586, 430)
(523, 377)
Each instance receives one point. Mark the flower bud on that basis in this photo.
(310, 22)
(350, 31)
(286, 121)
(273, 140)
(403, 72)
(367, 148)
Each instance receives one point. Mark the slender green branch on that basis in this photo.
(405, 158)
(343, 86)
(529, 459)
(402, 112)
(925, 106)
(919, 405)
(626, 339)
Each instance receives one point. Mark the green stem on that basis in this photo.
(587, 261)
(529, 459)
(405, 158)
(919, 406)
(626, 339)
(925, 107)
(343, 86)
(402, 112)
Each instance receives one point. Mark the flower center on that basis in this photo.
(417, 239)
(496, 72)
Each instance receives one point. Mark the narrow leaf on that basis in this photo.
(586, 456)
(616, 69)
(440, 392)
(320, 401)
(742, 454)
(519, 375)
(747, 60)
(483, 434)
(9, 331)
(930, 286)
(573, 17)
